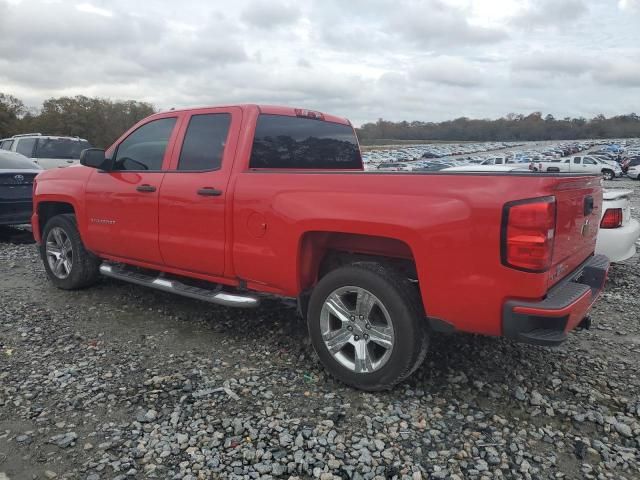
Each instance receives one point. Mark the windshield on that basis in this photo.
(69, 148)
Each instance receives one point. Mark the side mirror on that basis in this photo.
(94, 158)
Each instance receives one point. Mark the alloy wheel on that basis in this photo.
(356, 329)
(59, 252)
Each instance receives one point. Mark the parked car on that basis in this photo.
(630, 164)
(16, 188)
(48, 151)
(229, 204)
(578, 164)
(634, 171)
(618, 231)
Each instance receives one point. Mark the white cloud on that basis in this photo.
(88, 8)
(629, 5)
(363, 59)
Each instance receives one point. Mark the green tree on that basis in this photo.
(11, 108)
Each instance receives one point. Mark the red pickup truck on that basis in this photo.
(229, 204)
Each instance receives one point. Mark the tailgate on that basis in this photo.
(578, 207)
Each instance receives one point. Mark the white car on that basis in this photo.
(618, 231)
(48, 151)
(634, 172)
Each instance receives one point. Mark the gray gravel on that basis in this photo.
(121, 382)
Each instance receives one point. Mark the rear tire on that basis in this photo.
(68, 264)
(367, 325)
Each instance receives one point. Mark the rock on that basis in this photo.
(623, 429)
(50, 474)
(64, 440)
(520, 394)
(536, 399)
(146, 417)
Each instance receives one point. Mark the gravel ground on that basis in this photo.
(119, 382)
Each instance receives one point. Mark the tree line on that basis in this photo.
(512, 127)
(100, 121)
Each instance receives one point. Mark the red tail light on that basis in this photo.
(528, 230)
(612, 218)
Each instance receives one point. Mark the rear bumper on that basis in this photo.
(548, 321)
(15, 212)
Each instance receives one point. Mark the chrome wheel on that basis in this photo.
(356, 329)
(59, 253)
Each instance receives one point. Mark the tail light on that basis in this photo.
(612, 218)
(528, 230)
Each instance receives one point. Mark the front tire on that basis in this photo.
(367, 325)
(607, 174)
(68, 264)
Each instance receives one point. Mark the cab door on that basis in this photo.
(122, 204)
(194, 197)
(590, 165)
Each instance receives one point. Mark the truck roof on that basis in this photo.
(267, 109)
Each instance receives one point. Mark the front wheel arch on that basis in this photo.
(608, 174)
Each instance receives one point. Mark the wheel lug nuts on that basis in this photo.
(350, 328)
(368, 325)
(353, 317)
(361, 317)
(356, 337)
(366, 337)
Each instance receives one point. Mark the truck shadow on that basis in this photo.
(20, 235)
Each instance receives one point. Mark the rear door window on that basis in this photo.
(6, 145)
(296, 142)
(204, 142)
(25, 146)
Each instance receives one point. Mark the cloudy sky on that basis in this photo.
(363, 59)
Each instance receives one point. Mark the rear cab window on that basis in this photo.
(282, 141)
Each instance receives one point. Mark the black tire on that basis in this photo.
(84, 266)
(608, 174)
(402, 302)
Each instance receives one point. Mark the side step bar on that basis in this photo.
(174, 286)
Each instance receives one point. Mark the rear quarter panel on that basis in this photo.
(451, 223)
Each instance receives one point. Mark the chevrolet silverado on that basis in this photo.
(229, 204)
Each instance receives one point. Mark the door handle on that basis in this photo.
(146, 188)
(209, 192)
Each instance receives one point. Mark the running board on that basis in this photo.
(174, 286)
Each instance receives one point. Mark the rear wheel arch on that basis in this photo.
(321, 252)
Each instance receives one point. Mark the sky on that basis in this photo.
(427, 60)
